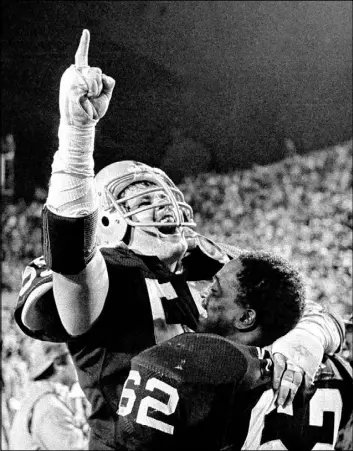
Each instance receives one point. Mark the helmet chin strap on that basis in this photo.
(150, 241)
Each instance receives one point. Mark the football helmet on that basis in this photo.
(114, 218)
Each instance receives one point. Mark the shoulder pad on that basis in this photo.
(335, 367)
(36, 313)
(200, 358)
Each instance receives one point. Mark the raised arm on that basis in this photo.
(70, 213)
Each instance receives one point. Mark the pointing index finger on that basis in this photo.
(81, 57)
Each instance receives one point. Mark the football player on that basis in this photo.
(121, 254)
(204, 392)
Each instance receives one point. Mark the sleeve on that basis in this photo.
(54, 425)
(327, 326)
(36, 313)
(204, 257)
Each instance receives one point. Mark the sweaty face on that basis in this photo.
(219, 301)
(160, 213)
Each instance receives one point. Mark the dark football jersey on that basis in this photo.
(146, 304)
(203, 392)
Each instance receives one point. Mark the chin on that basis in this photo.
(218, 327)
(205, 325)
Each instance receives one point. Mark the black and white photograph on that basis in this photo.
(176, 225)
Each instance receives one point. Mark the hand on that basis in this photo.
(85, 92)
(206, 245)
(296, 356)
(190, 236)
(287, 378)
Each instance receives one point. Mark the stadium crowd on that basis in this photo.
(300, 208)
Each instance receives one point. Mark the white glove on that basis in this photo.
(85, 92)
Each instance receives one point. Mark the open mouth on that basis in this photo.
(169, 226)
(167, 218)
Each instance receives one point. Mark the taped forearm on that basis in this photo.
(72, 188)
(76, 145)
(70, 213)
(71, 195)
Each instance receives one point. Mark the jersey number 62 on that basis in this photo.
(129, 398)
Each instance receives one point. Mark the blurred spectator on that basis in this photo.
(14, 368)
(300, 208)
(45, 419)
(5, 419)
(7, 172)
(21, 240)
(80, 406)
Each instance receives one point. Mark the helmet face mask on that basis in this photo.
(119, 203)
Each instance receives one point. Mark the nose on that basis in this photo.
(161, 198)
(163, 209)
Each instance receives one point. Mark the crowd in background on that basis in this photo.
(300, 208)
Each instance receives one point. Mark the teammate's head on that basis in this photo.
(254, 299)
(138, 203)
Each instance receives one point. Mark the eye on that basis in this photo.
(213, 290)
(143, 202)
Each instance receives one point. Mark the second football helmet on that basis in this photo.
(114, 217)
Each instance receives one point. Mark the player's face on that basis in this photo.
(160, 212)
(220, 303)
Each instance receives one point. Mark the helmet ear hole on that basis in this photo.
(111, 229)
(105, 221)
